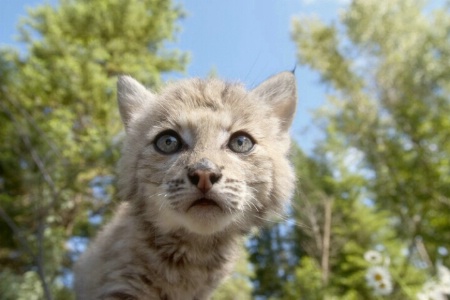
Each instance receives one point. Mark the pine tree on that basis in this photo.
(60, 128)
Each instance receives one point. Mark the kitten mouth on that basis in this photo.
(204, 202)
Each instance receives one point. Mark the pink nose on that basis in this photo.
(204, 180)
(204, 175)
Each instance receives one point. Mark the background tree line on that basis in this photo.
(379, 179)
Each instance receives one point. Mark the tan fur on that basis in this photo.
(159, 246)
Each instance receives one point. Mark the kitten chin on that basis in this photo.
(203, 162)
(198, 220)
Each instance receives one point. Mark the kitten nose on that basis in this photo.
(204, 174)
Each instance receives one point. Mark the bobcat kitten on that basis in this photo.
(203, 162)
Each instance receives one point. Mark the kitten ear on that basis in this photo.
(131, 96)
(280, 92)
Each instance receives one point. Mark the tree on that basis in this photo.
(319, 252)
(60, 128)
(335, 229)
(272, 260)
(387, 66)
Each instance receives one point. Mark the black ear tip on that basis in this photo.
(293, 70)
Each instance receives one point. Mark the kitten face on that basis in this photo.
(207, 156)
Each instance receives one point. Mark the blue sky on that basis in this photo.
(245, 40)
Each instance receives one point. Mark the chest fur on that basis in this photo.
(149, 265)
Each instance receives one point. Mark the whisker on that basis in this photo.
(254, 205)
(284, 219)
(163, 203)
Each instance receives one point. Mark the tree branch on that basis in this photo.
(328, 205)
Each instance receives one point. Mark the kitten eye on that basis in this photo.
(168, 142)
(241, 143)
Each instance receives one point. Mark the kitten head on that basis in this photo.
(206, 155)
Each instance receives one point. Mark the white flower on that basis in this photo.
(431, 287)
(377, 274)
(445, 288)
(432, 290)
(430, 296)
(383, 288)
(379, 279)
(444, 279)
(422, 296)
(373, 257)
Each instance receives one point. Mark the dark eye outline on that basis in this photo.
(172, 134)
(239, 134)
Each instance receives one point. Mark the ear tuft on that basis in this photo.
(131, 96)
(280, 92)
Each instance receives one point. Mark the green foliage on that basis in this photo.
(60, 126)
(397, 116)
(307, 283)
